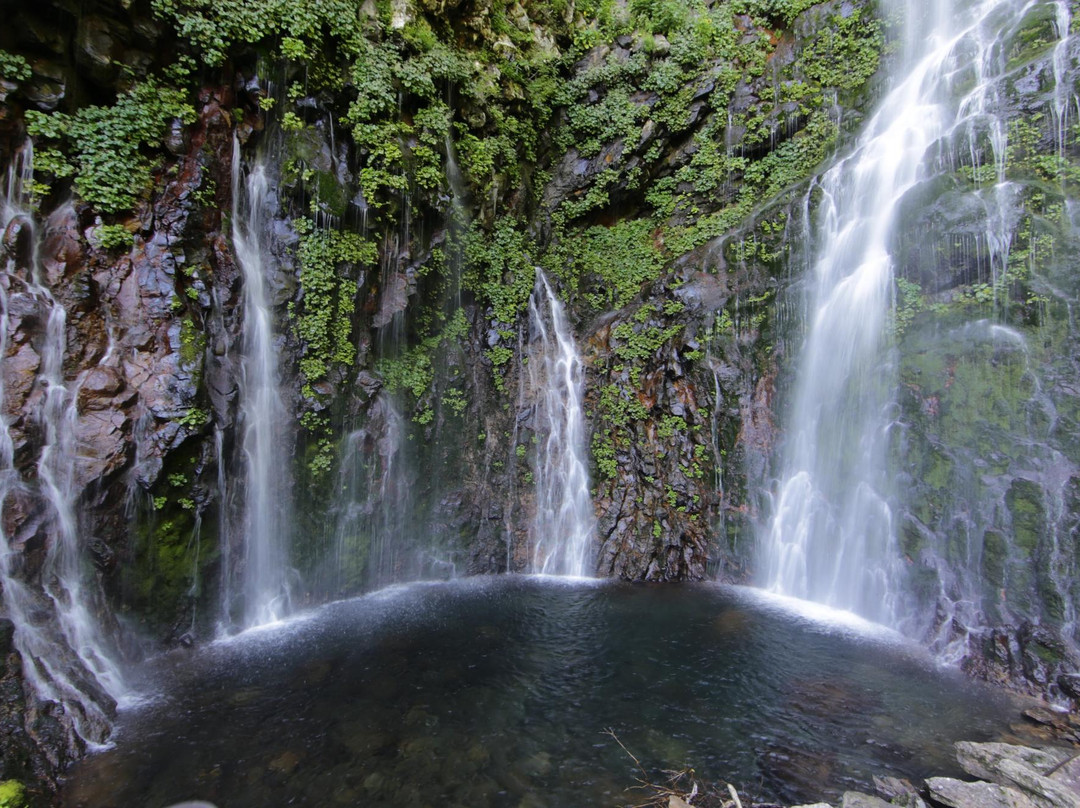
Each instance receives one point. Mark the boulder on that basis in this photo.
(1020, 767)
(958, 794)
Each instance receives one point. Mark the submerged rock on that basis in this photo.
(856, 799)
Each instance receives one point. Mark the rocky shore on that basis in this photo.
(1006, 775)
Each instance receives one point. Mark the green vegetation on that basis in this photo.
(102, 146)
(214, 27)
(323, 318)
(13, 68)
(609, 264)
(498, 268)
(413, 372)
(12, 794)
(114, 237)
(175, 551)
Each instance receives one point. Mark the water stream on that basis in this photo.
(832, 537)
(563, 526)
(263, 420)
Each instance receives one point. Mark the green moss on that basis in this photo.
(12, 794)
(1025, 502)
(995, 555)
(192, 344)
(1035, 35)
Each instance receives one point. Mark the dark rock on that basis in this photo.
(99, 44)
(44, 93)
(1040, 715)
(394, 300)
(958, 794)
(177, 140)
(1070, 684)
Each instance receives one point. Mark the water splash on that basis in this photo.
(563, 528)
(262, 413)
(832, 535)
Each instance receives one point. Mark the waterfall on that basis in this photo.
(562, 531)
(60, 641)
(262, 412)
(832, 536)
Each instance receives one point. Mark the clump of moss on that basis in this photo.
(12, 794)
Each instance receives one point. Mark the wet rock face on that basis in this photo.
(987, 457)
(35, 744)
(132, 350)
(680, 409)
(654, 518)
(1029, 658)
(17, 756)
(133, 346)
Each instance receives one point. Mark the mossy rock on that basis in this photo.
(1034, 36)
(1025, 501)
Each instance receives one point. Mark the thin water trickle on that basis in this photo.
(832, 535)
(66, 657)
(372, 542)
(562, 531)
(262, 413)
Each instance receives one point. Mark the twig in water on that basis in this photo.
(734, 795)
(674, 792)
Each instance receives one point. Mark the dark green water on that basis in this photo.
(498, 692)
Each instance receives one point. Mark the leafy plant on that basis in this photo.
(105, 145)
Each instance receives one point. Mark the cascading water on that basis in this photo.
(832, 535)
(262, 413)
(61, 643)
(563, 529)
(371, 541)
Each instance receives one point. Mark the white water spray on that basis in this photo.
(563, 529)
(262, 413)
